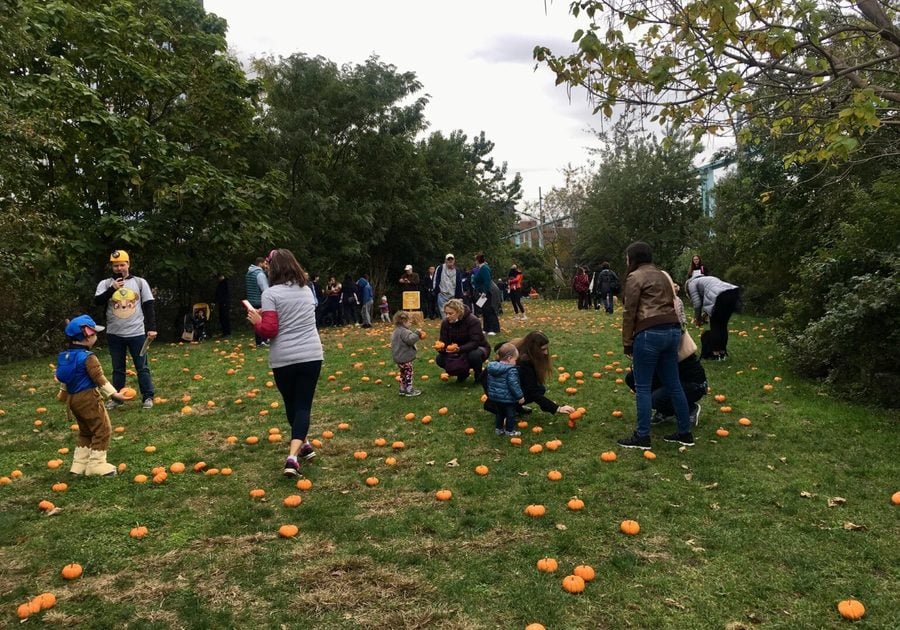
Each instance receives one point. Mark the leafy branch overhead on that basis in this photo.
(824, 71)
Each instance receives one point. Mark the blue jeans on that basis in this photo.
(505, 416)
(118, 346)
(607, 299)
(656, 350)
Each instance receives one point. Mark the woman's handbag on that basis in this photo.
(456, 364)
(687, 347)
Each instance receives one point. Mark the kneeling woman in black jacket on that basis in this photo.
(693, 381)
(534, 369)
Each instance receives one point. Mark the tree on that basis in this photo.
(643, 190)
(825, 71)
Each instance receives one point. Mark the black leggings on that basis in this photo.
(297, 384)
(726, 304)
(515, 296)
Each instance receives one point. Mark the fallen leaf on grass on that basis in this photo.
(431, 463)
(561, 527)
(806, 495)
(53, 512)
(452, 463)
(714, 506)
(711, 486)
(853, 527)
(524, 473)
(688, 476)
(671, 602)
(836, 501)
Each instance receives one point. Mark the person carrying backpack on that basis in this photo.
(606, 285)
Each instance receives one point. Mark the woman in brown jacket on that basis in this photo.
(651, 334)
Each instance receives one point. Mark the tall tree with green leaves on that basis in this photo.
(824, 71)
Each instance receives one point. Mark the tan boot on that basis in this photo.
(80, 460)
(97, 465)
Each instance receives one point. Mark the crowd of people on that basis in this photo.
(286, 307)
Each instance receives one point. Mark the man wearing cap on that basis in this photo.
(447, 283)
(130, 321)
(409, 280)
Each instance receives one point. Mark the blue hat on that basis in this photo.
(75, 329)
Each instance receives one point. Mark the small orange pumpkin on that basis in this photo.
(535, 510)
(257, 493)
(47, 600)
(59, 487)
(895, 498)
(288, 531)
(482, 470)
(72, 571)
(292, 500)
(139, 532)
(554, 475)
(585, 572)
(608, 456)
(851, 609)
(304, 484)
(45, 506)
(630, 527)
(744, 422)
(573, 584)
(649, 455)
(547, 565)
(199, 466)
(575, 504)
(177, 468)
(535, 448)
(372, 481)
(443, 495)
(722, 432)
(360, 455)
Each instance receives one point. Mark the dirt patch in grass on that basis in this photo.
(390, 504)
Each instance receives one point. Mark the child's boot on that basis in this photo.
(80, 460)
(97, 465)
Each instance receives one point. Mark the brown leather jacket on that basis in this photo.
(648, 300)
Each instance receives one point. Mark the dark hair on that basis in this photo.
(699, 264)
(479, 258)
(604, 265)
(531, 350)
(260, 260)
(638, 253)
(284, 268)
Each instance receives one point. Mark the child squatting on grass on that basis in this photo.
(403, 350)
(82, 388)
(504, 389)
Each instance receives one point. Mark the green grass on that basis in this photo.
(727, 535)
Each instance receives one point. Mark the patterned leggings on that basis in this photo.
(406, 375)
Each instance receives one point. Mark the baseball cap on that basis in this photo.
(408, 268)
(120, 255)
(80, 327)
(449, 257)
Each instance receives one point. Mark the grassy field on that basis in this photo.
(768, 527)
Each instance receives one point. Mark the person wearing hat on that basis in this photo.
(447, 283)
(82, 388)
(130, 321)
(410, 279)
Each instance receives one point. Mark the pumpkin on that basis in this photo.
(535, 626)
(649, 455)
(547, 565)
(535, 510)
(231, 439)
(211, 472)
(720, 398)
(53, 464)
(536, 429)
(59, 487)
(573, 584)
(426, 419)
(160, 478)
(149, 449)
(226, 471)
(535, 448)
(443, 411)
(372, 481)
(585, 572)
(439, 345)
(398, 445)
(767, 387)
(327, 434)
(895, 498)
(140, 479)
(288, 531)
(443, 495)
(515, 441)
(744, 422)
(722, 432)
(380, 441)
(274, 437)
(304, 484)
(177, 468)
(360, 455)
(616, 413)
(257, 493)
(725, 409)
(409, 417)
(251, 439)
(47, 600)
(575, 504)
(482, 470)
(72, 571)
(138, 532)
(576, 415)
(292, 501)
(45, 506)
(199, 466)
(128, 393)
(630, 527)
(469, 430)
(607, 456)
(552, 445)
(851, 609)
(390, 461)
(554, 475)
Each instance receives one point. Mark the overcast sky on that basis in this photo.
(474, 59)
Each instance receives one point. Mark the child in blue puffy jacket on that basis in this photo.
(504, 389)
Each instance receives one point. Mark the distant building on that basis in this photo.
(528, 233)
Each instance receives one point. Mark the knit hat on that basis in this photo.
(80, 327)
(120, 255)
(408, 268)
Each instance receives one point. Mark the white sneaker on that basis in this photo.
(148, 404)
(112, 404)
(491, 334)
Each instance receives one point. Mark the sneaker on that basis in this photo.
(306, 451)
(695, 414)
(112, 404)
(513, 433)
(499, 432)
(685, 439)
(491, 334)
(635, 441)
(291, 467)
(659, 418)
(263, 344)
(148, 403)
(413, 392)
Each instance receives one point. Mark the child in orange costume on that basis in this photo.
(82, 382)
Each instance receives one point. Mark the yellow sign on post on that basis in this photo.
(411, 300)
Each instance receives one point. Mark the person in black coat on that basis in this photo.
(223, 305)
(693, 381)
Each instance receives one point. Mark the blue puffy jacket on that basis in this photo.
(503, 382)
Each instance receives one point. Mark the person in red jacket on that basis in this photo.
(514, 284)
(581, 284)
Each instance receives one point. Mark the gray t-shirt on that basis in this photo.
(448, 281)
(298, 339)
(124, 311)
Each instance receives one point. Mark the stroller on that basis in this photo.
(195, 322)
